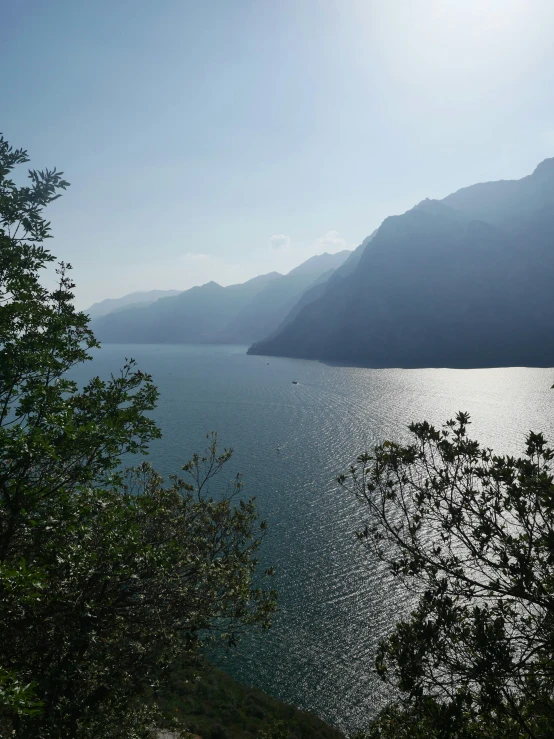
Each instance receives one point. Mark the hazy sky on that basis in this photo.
(220, 139)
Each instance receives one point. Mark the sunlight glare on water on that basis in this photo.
(290, 442)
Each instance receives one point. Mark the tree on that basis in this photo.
(106, 577)
(471, 535)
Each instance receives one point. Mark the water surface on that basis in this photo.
(290, 442)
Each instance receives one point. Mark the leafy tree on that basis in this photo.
(471, 534)
(106, 577)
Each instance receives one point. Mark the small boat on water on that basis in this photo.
(294, 382)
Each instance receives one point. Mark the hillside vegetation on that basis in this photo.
(215, 706)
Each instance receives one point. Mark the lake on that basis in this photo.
(290, 442)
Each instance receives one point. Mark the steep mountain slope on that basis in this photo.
(351, 264)
(321, 263)
(463, 282)
(195, 315)
(320, 285)
(317, 289)
(269, 307)
(139, 298)
(212, 313)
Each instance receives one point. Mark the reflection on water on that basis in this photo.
(290, 442)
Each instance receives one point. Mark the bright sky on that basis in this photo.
(221, 139)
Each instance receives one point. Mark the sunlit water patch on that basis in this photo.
(290, 442)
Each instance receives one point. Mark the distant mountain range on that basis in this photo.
(132, 299)
(211, 313)
(467, 281)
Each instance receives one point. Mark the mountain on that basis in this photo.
(196, 315)
(139, 298)
(320, 263)
(462, 282)
(320, 285)
(269, 308)
(317, 288)
(349, 265)
(212, 313)
(507, 202)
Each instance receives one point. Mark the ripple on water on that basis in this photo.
(335, 605)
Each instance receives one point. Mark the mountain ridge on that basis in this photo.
(460, 282)
(239, 313)
(140, 297)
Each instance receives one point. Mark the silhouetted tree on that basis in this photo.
(471, 534)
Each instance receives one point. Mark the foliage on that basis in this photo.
(209, 703)
(105, 577)
(472, 536)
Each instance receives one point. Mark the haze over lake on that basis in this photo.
(290, 442)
